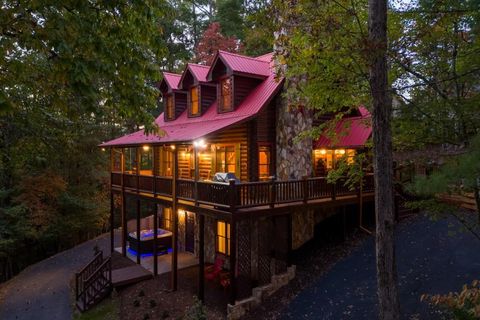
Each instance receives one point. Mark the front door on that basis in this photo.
(190, 232)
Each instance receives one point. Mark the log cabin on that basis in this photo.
(227, 181)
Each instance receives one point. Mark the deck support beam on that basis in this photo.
(124, 224)
(155, 235)
(139, 241)
(174, 273)
(201, 258)
(233, 260)
(112, 221)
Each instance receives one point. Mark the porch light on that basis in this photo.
(146, 148)
(172, 147)
(103, 149)
(199, 144)
(340, 151)
(323, 151)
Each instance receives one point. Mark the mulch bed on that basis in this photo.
(152, 299)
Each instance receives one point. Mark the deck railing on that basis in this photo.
(245, 194)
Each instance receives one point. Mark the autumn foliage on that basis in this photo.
(213, 40)
(464, 305)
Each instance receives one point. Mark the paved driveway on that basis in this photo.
(42, 291)
(429, 261)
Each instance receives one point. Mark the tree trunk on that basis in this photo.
(388, 303)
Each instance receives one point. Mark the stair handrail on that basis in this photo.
(89, 283)
(86, 272)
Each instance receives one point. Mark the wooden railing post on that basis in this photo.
(305, 189)
(272, 192)
(233, 195)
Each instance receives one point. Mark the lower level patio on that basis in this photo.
(185, 260)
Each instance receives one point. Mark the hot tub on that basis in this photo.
(145, 245)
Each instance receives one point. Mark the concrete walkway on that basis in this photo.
(42, 291)
(430, 260)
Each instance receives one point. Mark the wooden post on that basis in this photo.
(233, 260)
(305, 189)
(233, 241)
(290, 240)
(138, 231)
(155, 235)
(175, 221)
(195, 160)
(124, 208)
(201, 258)
(112, 221)
(137, 158)
(124, 224)
(272, 192)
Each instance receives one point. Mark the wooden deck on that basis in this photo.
(129, 275)
(244, 197)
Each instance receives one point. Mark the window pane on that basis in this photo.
(194, 104)
(221, 245)
(116, 159)
(264, 162)
(170, 107)
(130, 160)
(226, 93)
(221, 228)
(146, 160)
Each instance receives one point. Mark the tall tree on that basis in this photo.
(387, 291)
(213, 40)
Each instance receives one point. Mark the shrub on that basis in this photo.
(464, 305)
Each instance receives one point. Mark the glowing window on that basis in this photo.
(263, 162)
(167, 219)
(130, 160)
(166, 162)
(223, 237)
(170, 107)
(226, 94)
(194, 103)
(226, 159)
(146, 160)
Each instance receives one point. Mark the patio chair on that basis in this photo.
(213, 271)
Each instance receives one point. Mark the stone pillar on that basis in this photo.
(294, 158)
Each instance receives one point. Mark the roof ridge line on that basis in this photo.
(242, 56)
(197, 65)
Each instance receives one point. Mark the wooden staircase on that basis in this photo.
(93, 282)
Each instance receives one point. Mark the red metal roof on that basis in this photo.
(184, 129)
(350, 132)
(244, 64)
(199, 71)
(172, 79)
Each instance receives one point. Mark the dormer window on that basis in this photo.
(194, 101)
(226, 101)
(169, 107)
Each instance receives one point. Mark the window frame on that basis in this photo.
(226, 236)
(236, 151)
(116, 163)
(221, 100)
(170, 108)
(190, 102)
(167, 224)
(267, 146)
(165, 159)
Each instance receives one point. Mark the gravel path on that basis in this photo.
(42, 291)
(430, 260)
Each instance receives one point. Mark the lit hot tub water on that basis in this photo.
(144, 245)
